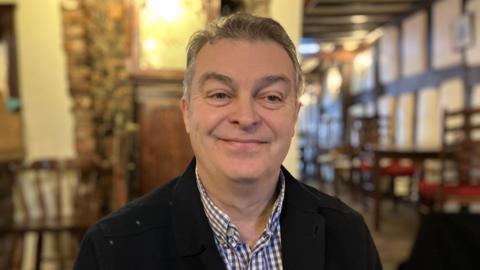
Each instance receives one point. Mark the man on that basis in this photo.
(235, 207)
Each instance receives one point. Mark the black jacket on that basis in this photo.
(168, 229)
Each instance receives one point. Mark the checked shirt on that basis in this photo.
(236, 254)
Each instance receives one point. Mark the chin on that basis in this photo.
(248, 171)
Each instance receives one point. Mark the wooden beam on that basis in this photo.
(335, 20)
(350, 2)
(335, 34)
(338, 28)
(363, 9)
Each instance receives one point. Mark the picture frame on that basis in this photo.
(463, 31)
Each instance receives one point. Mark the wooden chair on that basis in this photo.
(42, 189)
(460, 163)
(375, 130)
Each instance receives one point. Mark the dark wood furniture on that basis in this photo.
(376, 130)
(415, 153)
(6, 199)
(43, 189)
(460, 171)
(7, 35)
(164, 145)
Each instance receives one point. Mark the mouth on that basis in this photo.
(243, 141)
(243, 144)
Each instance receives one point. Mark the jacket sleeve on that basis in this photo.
(87, 258)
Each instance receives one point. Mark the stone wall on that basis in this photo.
(97, 48)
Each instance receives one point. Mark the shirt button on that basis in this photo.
(232, 242)
(230, 232)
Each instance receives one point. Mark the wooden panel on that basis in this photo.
(7, 35)
(164, 145)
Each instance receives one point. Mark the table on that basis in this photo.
(415, 153)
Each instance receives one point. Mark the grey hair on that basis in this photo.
(241, 26)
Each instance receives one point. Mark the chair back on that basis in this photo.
(57, 189)
(461, 144)
(372, 130)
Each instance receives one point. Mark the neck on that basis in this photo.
(248, 203)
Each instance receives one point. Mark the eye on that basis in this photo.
(273, 98)
(219, 95)
(218, 98)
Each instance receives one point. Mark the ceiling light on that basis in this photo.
(327, 47)
(350, 45)
(359, 33)
(334, 81)
(358, 19)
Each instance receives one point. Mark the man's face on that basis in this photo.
(242, 110)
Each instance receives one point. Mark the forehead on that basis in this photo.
(244, 59)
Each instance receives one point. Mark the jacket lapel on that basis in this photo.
(302, 229)
(193, 235)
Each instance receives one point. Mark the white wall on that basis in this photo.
(444, 15)
(428, 124)
(414, 44)
(289, 14)
(47, 119)
(389, 55)
(404, 120)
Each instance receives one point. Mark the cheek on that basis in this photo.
(281, 124)
(204, 121)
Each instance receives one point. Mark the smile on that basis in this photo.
(243, 144)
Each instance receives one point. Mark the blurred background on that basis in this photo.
(90, 117)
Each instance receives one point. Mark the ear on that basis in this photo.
(298, 105)
(184, 108)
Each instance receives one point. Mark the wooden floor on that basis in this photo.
(398, 232)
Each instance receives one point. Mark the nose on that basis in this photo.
(244, 113)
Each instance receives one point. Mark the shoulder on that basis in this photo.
(326, 203)
(126, 236)
(345, 230)
(152, 210)
(337, 215)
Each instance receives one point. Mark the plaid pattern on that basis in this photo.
(266, 254)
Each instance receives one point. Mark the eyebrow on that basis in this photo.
(217, 77)
(259, 84)
(271, 79)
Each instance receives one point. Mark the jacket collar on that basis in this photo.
(302, 227)
(193, 235)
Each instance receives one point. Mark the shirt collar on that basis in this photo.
(223, 229)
